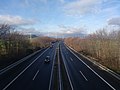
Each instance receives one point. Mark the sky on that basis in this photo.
(58, 17)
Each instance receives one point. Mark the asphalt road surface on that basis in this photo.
(86, 76)
(32, 74)
(35, 74)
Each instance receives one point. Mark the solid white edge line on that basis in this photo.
(93, 71)
(83, 75)
(103, 67)
(23, 71)
(52, 71)
(66, 70)
(99, 65)
(35, 75)
(17, 63)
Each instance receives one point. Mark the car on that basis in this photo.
(47, 59)
(51, 46)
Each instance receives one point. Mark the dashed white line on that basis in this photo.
(71, 59)
(35, 75)
(92, 70)
(23, 71)
(83, 76)
(17, 63)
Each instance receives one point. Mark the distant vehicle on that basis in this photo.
(51, 46)
(53, 41)
(47, 59)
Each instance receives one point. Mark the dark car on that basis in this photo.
(47, 59)
(51, 45)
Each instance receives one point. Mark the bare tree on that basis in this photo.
(102, 45)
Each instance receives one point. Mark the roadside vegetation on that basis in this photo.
(15, 45)
(102, 46)
(41, 42)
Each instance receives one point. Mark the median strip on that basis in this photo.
(67, 83)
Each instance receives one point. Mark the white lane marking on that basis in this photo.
(59, 71)
(83, 76)
(66, 70)
(104, 68)
(52, 71)
(71, 59)
(35, 75)
(23, 71)
(93, 71)
(17, 63)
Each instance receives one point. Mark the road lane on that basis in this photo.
(9, 67)
(51, 75)
(66, 69)
(74, 75)
(35, 74)
(42, 81)
(25, 78)
(94, 82)
(107, 78)
(8, 76)
(20, 74)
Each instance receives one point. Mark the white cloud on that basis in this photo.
(30, 30)
(67, 31)
(80, 7)
(70, 30)
(114, 21)
(15, 20)
(62, 1)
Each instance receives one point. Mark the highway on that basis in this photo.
(86, 76)
(79, 73)
(32, 74)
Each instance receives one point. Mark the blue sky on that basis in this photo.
(60, 16)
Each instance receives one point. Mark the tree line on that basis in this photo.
(15, 45)
(102, 45)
